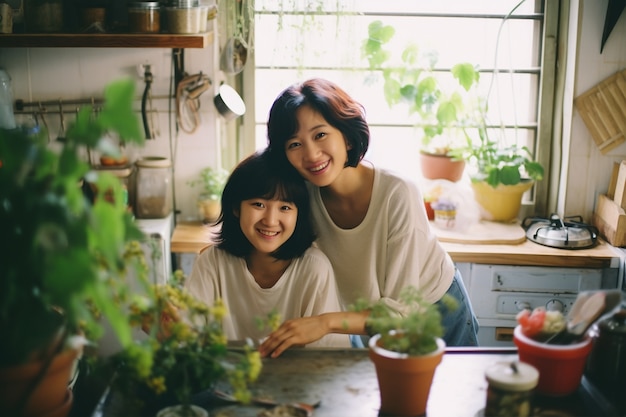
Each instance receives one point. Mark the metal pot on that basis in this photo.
(228, 103)
(607, 362)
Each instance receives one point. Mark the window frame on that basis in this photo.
(541, 198)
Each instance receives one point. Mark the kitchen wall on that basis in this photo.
(586, 170)
(40, 74)
(67, 73)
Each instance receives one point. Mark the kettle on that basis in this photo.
(606, 366)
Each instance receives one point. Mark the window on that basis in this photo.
(296, 40)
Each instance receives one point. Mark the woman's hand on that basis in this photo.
(295, 332)
(305, 330)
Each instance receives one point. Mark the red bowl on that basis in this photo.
(560, 367)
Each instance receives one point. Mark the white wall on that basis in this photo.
(588, 170)
(40, 74)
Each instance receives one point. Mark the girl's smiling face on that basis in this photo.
(318, 151)
(267, 224)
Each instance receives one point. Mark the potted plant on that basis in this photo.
(211, 182)
(177, 359)
(406, 348)
(441, 107)
(500, 175)
(61, 253)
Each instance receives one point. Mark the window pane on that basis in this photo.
(324, 38)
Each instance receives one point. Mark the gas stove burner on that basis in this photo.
(567, 233)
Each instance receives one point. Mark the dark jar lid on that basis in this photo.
(616, 324)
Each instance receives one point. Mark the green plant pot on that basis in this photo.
(502, 203)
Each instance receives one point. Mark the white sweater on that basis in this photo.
(307, 288)
(391, 248)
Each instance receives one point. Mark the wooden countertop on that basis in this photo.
(191, 237)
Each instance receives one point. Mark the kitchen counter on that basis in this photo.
(345, 383)
(191, 237)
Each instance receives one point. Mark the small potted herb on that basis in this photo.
(406, 348)
(211, 182)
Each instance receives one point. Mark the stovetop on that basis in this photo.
(563, 233)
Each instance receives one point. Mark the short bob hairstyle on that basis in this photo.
(257, 177)
(337, 107)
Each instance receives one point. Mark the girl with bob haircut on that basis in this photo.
(371, 223)
(262, 261)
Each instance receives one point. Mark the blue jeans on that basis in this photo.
(460, 326)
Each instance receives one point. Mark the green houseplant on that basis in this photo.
(211, 182)
(441, 103)
(61, 252)
(406, 348)
(177, 358)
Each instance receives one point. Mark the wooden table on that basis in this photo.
(344, 380)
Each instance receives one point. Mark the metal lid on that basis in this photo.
(144, 5)
(512, 376)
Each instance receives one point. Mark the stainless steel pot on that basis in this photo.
(228, 103)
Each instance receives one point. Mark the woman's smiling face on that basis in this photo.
(267, 224)
(317, 150)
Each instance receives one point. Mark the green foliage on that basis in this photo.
(441, 112)
(211, 182)
(59, 250)
(413, 328)
(502, 165)
(453, 121)
(180, 358)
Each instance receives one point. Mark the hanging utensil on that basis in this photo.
(61, 135)
(235, 52)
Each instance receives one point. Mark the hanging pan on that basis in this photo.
(229, 103)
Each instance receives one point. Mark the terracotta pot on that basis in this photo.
(49, 397)
(404, 381)
(502, 203)
(437, 166)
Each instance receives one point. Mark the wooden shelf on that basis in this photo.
(105, 40)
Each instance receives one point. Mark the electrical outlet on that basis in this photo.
(142, 68)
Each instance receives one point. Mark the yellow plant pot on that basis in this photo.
(209, 210)
(502, 203)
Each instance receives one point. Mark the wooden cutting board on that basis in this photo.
(484, 232)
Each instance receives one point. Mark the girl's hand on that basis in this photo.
(295, 332)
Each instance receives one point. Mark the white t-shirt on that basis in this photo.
(307, 288)
(391, 248)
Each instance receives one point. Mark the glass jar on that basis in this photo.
(43, 16)
(510, 389)
(144, 17)
(185, 16)
(153, 190)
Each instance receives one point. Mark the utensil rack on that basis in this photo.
(56, 106)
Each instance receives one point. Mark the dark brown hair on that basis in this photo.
(336, 106)
(257, 177)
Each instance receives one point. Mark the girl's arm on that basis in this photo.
(305, 330)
